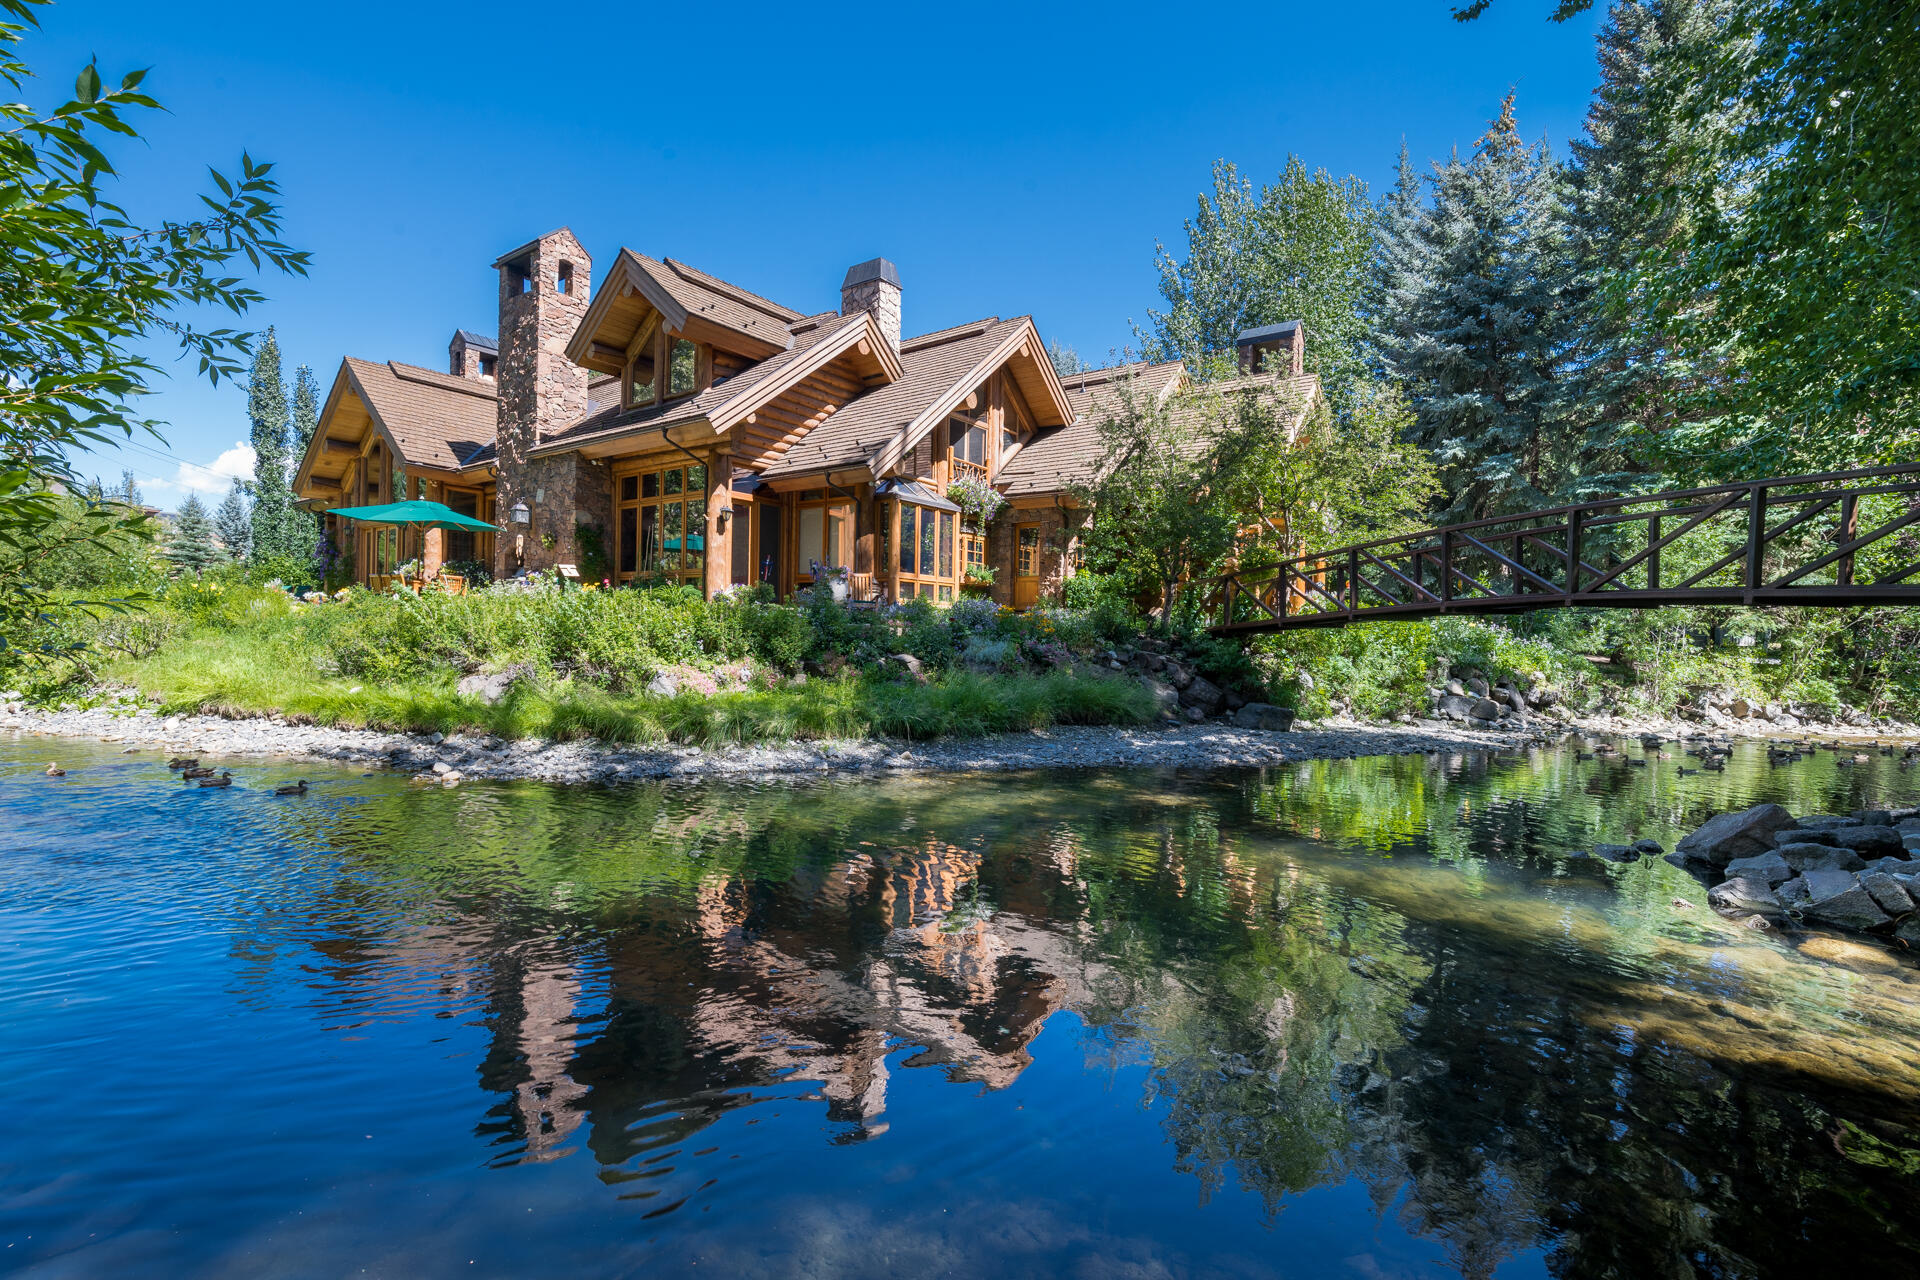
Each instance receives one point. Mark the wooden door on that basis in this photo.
(1026, 565)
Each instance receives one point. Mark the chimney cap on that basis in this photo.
(1250, 336)
(872, 269)
(475, 341)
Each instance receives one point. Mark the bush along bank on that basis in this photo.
(639, 666)
(1858, 872)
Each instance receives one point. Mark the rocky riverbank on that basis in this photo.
(448, 760)
(1859, 871)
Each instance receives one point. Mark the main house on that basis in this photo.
(668, 425)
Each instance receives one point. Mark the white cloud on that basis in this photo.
(210, 480)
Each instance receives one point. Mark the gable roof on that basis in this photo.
(1058, 461)
(682, 294)
(429, 419)
(1067, 456)
(478, 341)
(939, 371)
(815, 340)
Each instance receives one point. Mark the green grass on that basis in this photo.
(273, 670)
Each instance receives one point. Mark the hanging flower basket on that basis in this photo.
(979, 502)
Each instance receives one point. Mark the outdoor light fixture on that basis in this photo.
(521, 518)
(520, 515)
(722, 516)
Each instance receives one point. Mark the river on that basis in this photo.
(1343, 1018)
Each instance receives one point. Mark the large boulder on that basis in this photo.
(1768, 866)
(1727, 836)
(1837, 898)
(1807, 835)
(1743, 893)
(1262, 715)
(1166, 699)
(1827, 822)
(1871, 841)
(663, 686)
(488, 688)
(1454, 706)
(1484, 709)
(1203, 694)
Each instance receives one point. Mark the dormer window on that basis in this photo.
(683, 369)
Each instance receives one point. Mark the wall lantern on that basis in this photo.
(520, 515)
(723, 516)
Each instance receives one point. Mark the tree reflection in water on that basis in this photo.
(1385, 971)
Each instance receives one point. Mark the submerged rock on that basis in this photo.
(1743, 893)
(1837, 898)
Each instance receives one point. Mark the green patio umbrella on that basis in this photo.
(418, 514)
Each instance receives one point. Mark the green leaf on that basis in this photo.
(87, 87)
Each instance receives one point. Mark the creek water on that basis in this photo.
(1362, 1018)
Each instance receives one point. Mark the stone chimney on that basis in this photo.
(874, 285)
(472, 355)
(543, 297)
(1286, 342)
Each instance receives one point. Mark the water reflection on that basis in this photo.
(1384, 977)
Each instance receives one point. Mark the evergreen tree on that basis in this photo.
(191, 546)
(303, 527)
(1482, 327)
(267, 413)
(231, 522)
(129, 491)
(1624, 376)
(1299, 249)
(1396, 261)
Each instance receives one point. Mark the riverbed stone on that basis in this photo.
(1768, 866)
(1827, 822)
(1648, 845)
(1870, 841)
(1616, 853)
(1484, 709)
(1889, 893)
(1807, 835)
(1837, 898)
(1806, 856)
(1455, 706)
(1727, 836)
(1262, 715)
(1873, 817)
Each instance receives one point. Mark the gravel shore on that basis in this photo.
(448, 761)
(461, 758)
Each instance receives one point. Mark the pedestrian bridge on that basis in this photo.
(1838, 538)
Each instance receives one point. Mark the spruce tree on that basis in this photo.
(191, 546)
(1624, 376)
(1482, 328)
(303, 527)
(267, 414)
(231, 523)
(1397, 263)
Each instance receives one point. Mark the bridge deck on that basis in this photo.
(1839, 538)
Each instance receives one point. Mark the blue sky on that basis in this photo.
(1010, 158)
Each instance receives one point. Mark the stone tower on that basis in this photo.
(543, 296)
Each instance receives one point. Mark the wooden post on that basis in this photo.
(1353, 582)
(1653, 556)
(1573, 554)
(719, 541)
(1756, 537)
(1849, 530)
(1446, 568)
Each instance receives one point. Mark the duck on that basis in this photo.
(195, 771)
(1583, 755)
(184, 762)
(55, 771)
(224, 780)
(1714, 763)
(1688, 773)
(292, 789)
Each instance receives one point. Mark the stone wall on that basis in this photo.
(874, 287)
(541, 391)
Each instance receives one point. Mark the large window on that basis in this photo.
(926, 544)
(640, 382)
(660, 525)
(967, 442)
